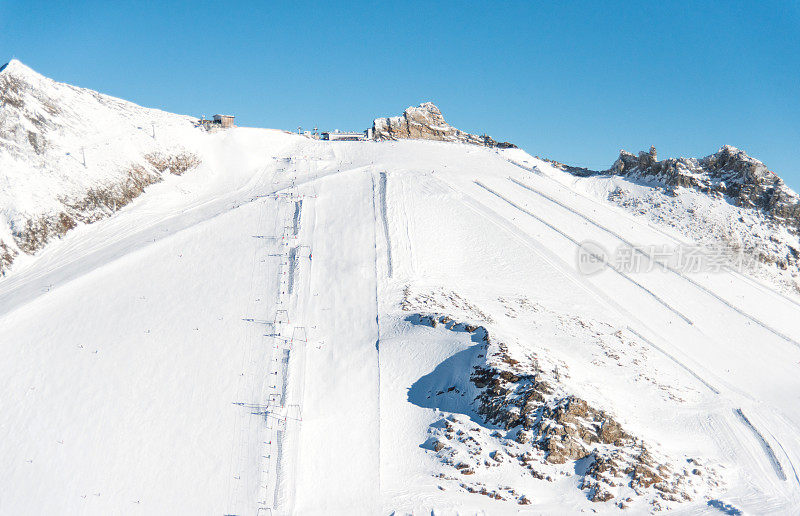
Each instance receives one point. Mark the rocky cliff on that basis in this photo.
(730, 172)
(425, 122)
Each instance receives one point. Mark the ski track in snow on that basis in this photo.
(678, 362)
(385, 221)
(768, 451)
(291, 269)
(298, 206)
(664, 266)
(605, 262)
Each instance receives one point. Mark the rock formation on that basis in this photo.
(527, 421)
(730, 172)
(426, 122)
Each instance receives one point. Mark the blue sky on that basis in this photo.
(573, 81)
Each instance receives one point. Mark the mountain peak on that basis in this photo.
(17, 68)
(729, 172)
(426, 122)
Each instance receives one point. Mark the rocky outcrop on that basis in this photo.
(527, 422)
(730, 172)
(425, 122)
(565, 427)
(727, 200)
(575, 171)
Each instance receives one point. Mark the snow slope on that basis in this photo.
(292, 328)
(72, 155)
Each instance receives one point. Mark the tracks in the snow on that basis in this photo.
(601, 258)
(770, 453)
(285, 399)
(675, 360)
(385, 220)
(276, 396)
(664, 266)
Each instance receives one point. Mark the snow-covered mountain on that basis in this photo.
(404, 326)
(71, 155)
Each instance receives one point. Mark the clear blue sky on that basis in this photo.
(568, 80)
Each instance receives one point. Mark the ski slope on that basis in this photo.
(245, 339)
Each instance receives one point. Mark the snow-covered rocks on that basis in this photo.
(426, 122)
(729, 172)
(523, 417)
(726, 201)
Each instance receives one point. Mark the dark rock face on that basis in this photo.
(426, 122)
(730, 172)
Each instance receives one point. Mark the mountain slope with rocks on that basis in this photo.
(726, 200)
(728, 173)
(300, 326)
(426, 122)
(72, 156)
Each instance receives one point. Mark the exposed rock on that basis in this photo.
(7, 256)
(176, 164)
(644, 472)
(426, 122)
(730, 172)
(523, 437)
(600, 495)
(550, 432)
(575, 171)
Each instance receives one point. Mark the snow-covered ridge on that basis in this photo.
(724, 200)
(729, 172)
(70, 155)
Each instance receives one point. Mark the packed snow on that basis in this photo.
(298, 326)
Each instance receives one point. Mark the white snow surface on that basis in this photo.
(60, 140)
(235, 341)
